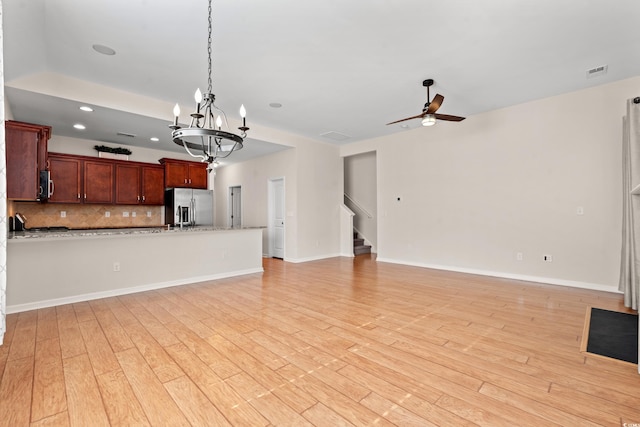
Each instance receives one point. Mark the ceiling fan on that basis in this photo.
(429, 114)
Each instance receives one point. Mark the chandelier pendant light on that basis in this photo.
(206, 137)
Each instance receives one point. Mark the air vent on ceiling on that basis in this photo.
(336, 136)
(597, 71)
(128, 135)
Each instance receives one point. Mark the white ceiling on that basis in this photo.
(339, 66)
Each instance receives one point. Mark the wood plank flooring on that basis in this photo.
(334, 342)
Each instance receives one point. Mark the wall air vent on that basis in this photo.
(128, 135)
(597, 71)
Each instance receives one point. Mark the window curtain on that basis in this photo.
(630, 260)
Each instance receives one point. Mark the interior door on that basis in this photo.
(235, 207)
(277, 218)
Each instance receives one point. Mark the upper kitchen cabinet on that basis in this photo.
(139, 184)
(184, 174)
(65, 174)
(26, 148)
(98, 179)
(78, 179)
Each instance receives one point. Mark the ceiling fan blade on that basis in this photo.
(435, 104)
(449, 118)
(419, 116)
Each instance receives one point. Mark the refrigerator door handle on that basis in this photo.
(193, 209)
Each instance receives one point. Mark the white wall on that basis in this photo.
(320, 196)
(360, 183)
(3, 187)
(477, 192)
(313, 195)
(253, 176)
(84, 147)
(81, 268)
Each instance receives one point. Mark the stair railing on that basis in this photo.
(359, 206)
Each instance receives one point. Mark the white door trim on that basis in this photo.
(271, 214)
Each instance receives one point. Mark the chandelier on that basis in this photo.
(205, 138)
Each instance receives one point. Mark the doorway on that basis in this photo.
(276, 227)
(235, 206)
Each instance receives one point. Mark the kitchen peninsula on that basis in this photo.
(54, 268)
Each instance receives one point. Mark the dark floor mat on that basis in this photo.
(613, 334)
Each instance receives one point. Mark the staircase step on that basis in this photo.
(361, 249)
(358, 242)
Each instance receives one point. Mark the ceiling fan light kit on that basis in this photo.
(429, 120)
(205, 134)
(429, 115)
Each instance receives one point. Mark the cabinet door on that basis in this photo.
(23, 176)
(175, 175)
(152, 185)
(198, 175)
(98, 182)
(128, 184)
(65, 174)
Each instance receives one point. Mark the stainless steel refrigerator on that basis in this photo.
(188, 207)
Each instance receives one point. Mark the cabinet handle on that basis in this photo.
(143, 198)
(138, 198)
(85, 196)
(78, 195)
(189, 180)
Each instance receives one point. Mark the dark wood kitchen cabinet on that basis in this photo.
(84, 179)
(98, 179)
(139, 184)
(65, 173)
(184, 174)
(26, 151)
(152, 185)
(79, 179)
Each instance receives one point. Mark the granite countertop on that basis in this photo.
(33, 235)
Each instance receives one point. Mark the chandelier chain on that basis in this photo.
(209, 82)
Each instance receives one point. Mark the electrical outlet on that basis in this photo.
(125, 214)
(107, 214)
(547, 258)
(133, 214)
(519, 256)
(148, 214)
(63, 214)
(116, 266)
(579, 210)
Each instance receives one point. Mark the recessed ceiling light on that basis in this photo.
(105, 50)
(275, 105)
(154, 139)
(79, 126)
(86, 108)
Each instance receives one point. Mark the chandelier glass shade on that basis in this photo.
(208, 136)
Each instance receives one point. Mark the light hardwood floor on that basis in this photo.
(333, 342)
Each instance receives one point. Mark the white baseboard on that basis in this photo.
(315, 258)
(124, 291)
(503, 275)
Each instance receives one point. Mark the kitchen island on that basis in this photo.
(60, 267)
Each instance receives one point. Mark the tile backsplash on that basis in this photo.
(87, 215)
